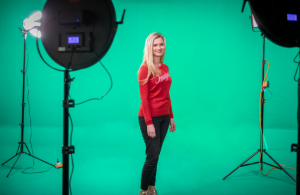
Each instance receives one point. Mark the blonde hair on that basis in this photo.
(148, 56)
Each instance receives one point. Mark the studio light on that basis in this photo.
(278, 21)
(83, 28)
(31, 22)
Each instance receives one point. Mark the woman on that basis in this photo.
(155, 113)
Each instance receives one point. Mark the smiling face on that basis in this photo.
(158, 47)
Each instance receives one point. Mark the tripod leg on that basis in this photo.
(27, 148)
(10, 158)
(14, 155)
(39, 159)
(14, 164)
(279, 165)
(18, 149)
(241, 164)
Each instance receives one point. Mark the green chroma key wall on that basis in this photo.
(214, 59)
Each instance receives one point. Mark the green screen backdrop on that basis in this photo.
(214, 59)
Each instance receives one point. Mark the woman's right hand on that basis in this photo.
(151, 131)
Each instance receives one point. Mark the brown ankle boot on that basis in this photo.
(154, 192)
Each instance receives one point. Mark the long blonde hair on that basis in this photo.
(148, 56)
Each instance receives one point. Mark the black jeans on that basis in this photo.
(153, 148)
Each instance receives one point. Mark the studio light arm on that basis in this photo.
(121, 22)
(26, 31)
(38, 48)
(244, 3)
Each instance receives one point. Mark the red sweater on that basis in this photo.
(155, 95)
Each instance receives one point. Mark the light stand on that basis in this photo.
(261, 145)
(84, 29)
(20, 149)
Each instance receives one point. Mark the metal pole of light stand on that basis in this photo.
(66, 135)
(66, 149)
(262, 104)
(23, 92)
(298, 120)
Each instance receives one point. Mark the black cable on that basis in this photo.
(30, 122)
(271, 94)
(103, 94)
(71, 154)
(69, 87)
(71, 129)
(37, 45)
(29, 104)
(69, 65)
(296, 73)
(92, 40)
(28, 110)
(71, 138)
(71, 174)
(297, 66)
(35, 172)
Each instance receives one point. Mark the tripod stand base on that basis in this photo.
(264, 151)
(19, 154)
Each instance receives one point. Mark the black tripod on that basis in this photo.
(262, 114)
(20, 149)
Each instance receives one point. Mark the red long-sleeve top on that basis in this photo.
(155, 97)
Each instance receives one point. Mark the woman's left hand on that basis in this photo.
(172, 125)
